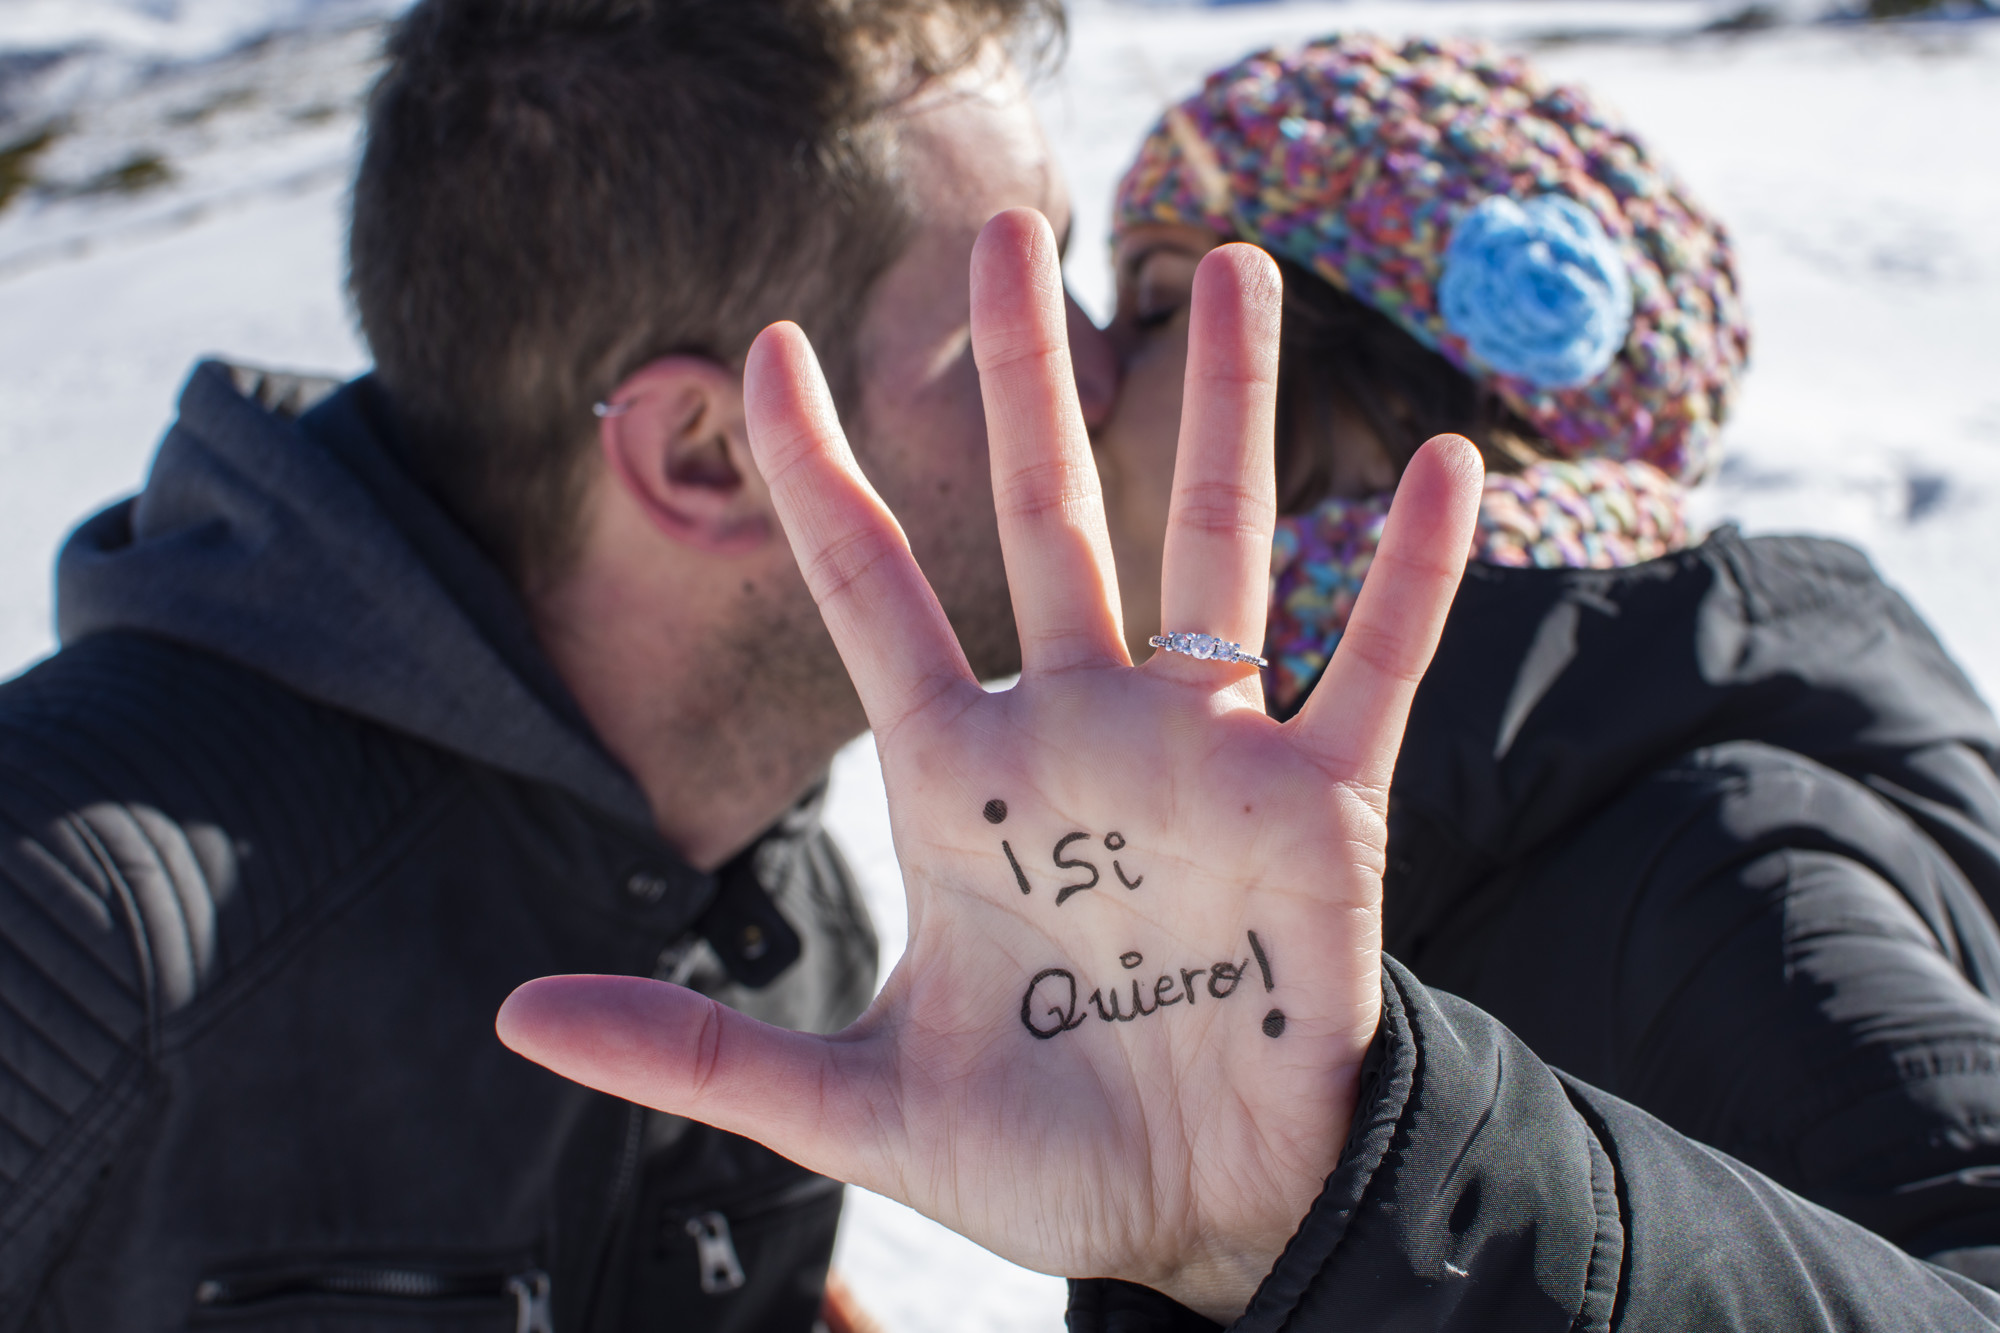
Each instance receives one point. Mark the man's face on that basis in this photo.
(970, 149)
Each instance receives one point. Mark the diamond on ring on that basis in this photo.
(1206, 647)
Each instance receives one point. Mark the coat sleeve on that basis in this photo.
(1482, 1190)
(73, 1067)
(98, 918)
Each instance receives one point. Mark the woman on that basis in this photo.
(1714, 826)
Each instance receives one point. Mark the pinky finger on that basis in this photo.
(1355, 717)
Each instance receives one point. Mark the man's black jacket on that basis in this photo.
(1718, 835)
(294, 808)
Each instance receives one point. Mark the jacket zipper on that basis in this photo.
(715, 1253)
(528, 1289)
(715, 1246)
(674, 964)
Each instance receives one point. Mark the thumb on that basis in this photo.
(669, 1048)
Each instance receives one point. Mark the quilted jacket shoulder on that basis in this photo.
(130, 904)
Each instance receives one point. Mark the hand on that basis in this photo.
(1144, 954)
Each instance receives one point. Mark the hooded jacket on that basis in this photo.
(1719, 837)
(293, 809)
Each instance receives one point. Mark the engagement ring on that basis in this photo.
(1207, 647)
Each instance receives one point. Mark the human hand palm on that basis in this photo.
(1099, 1083)
(1143, 963)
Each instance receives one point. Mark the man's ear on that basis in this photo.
(673, 436)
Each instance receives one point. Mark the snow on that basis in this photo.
(1854, 165)
(167, 30)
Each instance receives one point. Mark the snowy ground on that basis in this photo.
(1856, 167)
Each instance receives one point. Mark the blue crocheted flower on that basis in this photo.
(1537, 290)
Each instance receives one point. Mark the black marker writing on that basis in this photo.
(1163, 995)
(1064, 863)
(1115, 842)
(1222, 978)
(1097, 998)
(1264, 966)
(1050, 1004)
(995, 811)
(1060, 1000)
(1019, 878)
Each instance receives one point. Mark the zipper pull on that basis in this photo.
(530, 1291)
(715, 1252)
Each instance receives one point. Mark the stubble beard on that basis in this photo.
(970, 581)
(779, 657)
(961, 560)
(779, 660)
(777, 663)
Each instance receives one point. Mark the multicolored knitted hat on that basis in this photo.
(1502, 220)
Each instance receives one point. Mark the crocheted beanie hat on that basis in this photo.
(1503, 221)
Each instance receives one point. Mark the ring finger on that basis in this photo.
(1215, 570)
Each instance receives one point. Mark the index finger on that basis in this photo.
(885, 620)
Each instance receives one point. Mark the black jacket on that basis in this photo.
(294, 808)
(1480, 1191)
(1717, 836)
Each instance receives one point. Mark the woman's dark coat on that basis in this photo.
(1717, 836)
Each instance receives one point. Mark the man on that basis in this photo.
(383, 698)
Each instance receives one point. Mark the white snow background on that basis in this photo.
(192, 204)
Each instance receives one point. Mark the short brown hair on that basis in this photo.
(1335, 350)
(555, 192)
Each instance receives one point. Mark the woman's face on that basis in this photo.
(1135, 447)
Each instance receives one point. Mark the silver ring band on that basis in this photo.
(1207, 647)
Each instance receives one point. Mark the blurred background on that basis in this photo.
(172, 182)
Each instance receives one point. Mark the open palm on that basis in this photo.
(1143, 965)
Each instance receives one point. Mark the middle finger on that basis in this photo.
(1045, 491)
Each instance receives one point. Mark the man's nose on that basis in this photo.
(1095, 363)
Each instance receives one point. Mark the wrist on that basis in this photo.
(1219, 1280)
(1221, 1288)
